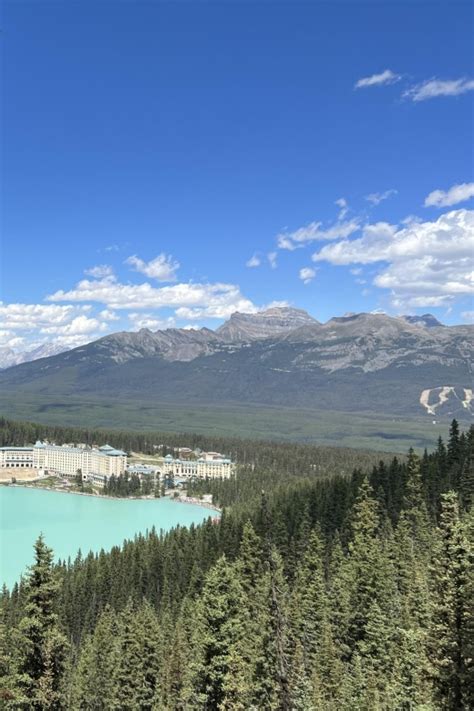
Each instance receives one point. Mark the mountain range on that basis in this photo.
(9, 357)
(283, 357)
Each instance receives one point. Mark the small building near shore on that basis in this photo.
(144, 472)
(206, 467)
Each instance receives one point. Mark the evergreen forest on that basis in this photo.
(334, 581)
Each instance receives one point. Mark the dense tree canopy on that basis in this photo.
(326, 591)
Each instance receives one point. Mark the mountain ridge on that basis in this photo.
(191, 342)
(360, 362)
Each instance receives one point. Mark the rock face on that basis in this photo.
(266, 324)
(284, 357)
(170, 344)
(372, 342)
(427, 320)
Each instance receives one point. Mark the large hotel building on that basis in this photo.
(94, 464)
(98, 464)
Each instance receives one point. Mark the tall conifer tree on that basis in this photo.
(41, 646)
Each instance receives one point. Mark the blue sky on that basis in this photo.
(329, 145)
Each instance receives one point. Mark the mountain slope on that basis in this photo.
(360, 363)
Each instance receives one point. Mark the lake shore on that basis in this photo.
(6, 475)
(30, 484)
(86, 523)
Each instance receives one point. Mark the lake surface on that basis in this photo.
(70, 522)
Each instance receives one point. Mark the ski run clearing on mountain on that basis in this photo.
(443, 393)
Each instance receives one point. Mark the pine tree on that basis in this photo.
(454, 455)
(328, 676)
(94, 685)
(222, 670)
(468, 613)
(133, 689)
(7, 683)
(177, 657)
(41, 646)
(364, 563)
(340, 584)
(453, 443)
(414, 507)
(411, 666)
(256, 590)
(300, 689)
(466, 482)
(376, 651)
(309, 604)
(448, 635)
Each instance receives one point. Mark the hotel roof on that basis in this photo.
(16, 449)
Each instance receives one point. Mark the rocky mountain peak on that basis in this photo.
(9, 357)
(275, 321)
(426, 320)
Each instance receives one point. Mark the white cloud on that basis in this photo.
(196, 314)
(79, 326)
(307, 274)
(100, 271)
(411, 220)
(433, 88)
(450, 235)
(293, 240)
(29, 316)
(385, 77)
(468, 316)
(150, 321)
(377, 198)
(254, 261)
(8, 339)
(108, 315)
(185, 312)
(272, 259)
(219, 309)
(219, 300)
(410, 301)
(428, 263)
(344, 207)
(453, 196)
(16, 342)
(274, 305)
(162, 268)
(66, 325)
(313, 232)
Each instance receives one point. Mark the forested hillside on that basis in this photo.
(289, 458)
(320, 592)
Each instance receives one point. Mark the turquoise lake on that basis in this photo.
(70, 522)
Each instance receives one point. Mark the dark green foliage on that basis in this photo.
(38, 653)
(452, 611)
(326, 592)
(125, 485)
